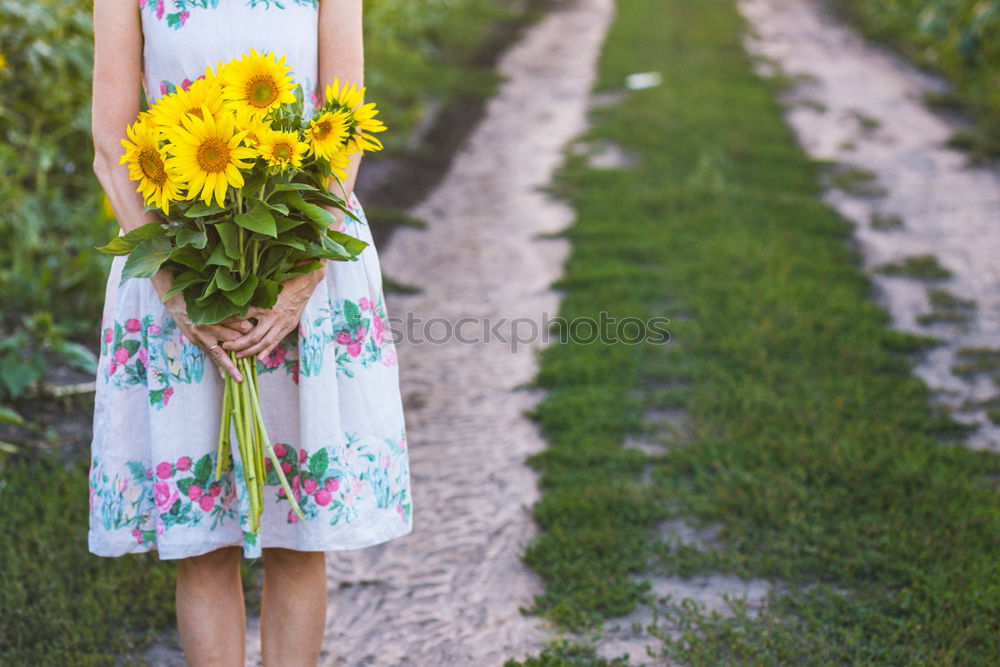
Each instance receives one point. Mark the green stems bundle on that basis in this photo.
(241, 412)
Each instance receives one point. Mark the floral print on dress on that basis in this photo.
(326, 490)
(151, 501)
(144, 353)
(177, 12)
(359, 332)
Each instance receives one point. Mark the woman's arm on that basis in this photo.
(117, 84)
(341, 56)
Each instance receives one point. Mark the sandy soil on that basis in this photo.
(449, 593)
(860, 105)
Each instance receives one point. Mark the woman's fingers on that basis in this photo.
(250, 338)
(224, 362)
(238, 324)
(208, 338)
(272, 338)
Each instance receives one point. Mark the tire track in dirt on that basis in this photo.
(449, 593)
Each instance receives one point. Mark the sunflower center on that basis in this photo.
(322, 130)
(283, 152)
(262, 91)
(152, 166)
(252, 139)
(213, 155)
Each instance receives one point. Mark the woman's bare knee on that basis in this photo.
(213, 562)
(290, 559)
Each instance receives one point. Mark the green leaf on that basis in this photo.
(78, 356)
(147, 257)
(184, 280)
(189, 257)
(315, 213)
(276, 207)
(319, 462)
(353, 245)
(272, 259)
(201, 210)
(291, 242)
(253, 183)
(230, 235)
(211, 287)
(289, 187)
(225, 279)
(123, 245)
(266, 293)
(241, 295)
(10, 416)
(18, 373)
(219, 257)
(216, 309)
(334, 247)
(257, 219)
(192, 236)
(284, 223)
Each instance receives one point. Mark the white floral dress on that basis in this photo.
(330, 391)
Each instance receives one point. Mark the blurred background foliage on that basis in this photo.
(421, 54)
(957, 38)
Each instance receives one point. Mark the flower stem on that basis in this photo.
(270, 451)
(225, 423)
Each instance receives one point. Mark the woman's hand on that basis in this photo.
(275, 323)
(209, 337)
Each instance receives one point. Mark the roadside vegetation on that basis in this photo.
(62, 605)
(811, 448)
(956, 38)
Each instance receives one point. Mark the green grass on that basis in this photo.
(921, 267)
(62, 605)
(812, 444)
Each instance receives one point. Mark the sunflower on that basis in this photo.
(282, 149)
(339, 162)
(147, 119)
(254, 125)
(365, 122)
(206, 152)
(205, 92)
(257, 82)
(347, 96)
(159, 183)
(328, 132)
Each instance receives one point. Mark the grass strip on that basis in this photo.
(61, 605)
(811, 443)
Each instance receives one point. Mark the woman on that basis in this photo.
(326, 362)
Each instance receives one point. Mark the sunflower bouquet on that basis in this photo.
(239, 178)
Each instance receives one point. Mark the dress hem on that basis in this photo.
(249, 552)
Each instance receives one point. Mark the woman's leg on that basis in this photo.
(211, 617)
(293, 609)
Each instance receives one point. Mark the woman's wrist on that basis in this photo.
(162, 280)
